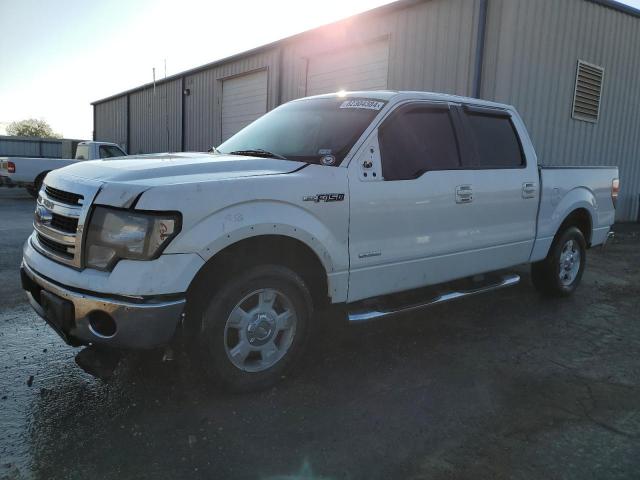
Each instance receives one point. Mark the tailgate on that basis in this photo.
(4, 166)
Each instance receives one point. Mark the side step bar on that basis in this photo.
(361, 315)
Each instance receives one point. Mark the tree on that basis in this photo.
(32, 127)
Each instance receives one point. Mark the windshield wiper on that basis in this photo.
(258, 152)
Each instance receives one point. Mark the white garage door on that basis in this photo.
(359, 68)
(244, 99)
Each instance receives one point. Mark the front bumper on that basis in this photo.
(80, 317)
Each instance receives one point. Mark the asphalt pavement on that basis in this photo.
(503, 386)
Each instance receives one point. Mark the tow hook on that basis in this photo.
(98, 362)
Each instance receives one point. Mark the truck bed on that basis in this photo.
(564, 189)
(28, 168)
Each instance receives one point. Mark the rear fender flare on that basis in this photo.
(575, 199)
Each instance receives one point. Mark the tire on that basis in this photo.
(37, 185)
(255, 328)
(560, 273)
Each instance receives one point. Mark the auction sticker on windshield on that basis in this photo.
(365, 104)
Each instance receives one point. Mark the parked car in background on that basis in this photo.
(383, 202)
(29, 172)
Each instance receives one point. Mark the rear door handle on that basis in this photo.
(464, 194)
(529, 190)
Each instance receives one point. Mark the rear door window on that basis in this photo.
(416, 139)
(493, 139)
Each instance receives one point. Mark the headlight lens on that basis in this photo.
(127, 234)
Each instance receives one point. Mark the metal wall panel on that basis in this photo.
(203, 113)
(362, 68)
(30, 147)
(244, 99)
(111, 121)
(532, 52)
(51, 149)
(431, 47)
(19, 148)
(156, 119)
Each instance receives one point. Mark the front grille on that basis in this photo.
(59, 220)
(53, 246)
(64, 197)
(64, 224)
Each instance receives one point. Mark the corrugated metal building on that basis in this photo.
(571, 67)
(12, 146)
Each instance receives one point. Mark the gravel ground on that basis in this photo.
(506, 385)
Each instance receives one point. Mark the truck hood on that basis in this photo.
(120, 181)
(164, 169)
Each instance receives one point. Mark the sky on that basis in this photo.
(56, 57)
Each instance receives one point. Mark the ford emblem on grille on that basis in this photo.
(43, 215)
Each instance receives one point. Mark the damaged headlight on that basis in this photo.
(116, 234)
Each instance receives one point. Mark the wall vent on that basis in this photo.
(588, 92)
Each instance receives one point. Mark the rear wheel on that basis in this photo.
(255, 328)
(560, 273)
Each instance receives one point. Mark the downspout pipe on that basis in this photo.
(129, 124)
(182, 112)
(480, 39)
(93, 134)
(280, 74)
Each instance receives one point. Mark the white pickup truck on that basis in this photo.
(30, 172)
(336, 199)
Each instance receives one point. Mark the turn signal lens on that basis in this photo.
(615, 189)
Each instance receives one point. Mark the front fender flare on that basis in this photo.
(254, 218)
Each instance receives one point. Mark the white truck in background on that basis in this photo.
(29, 172)
(382, 202)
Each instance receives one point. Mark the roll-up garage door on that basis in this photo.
(358, 68)
(244, 99)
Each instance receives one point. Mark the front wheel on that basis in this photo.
(255, 328)
(560, 273)
(34, 189)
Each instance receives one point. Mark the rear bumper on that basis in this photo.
(83, 318)
(6, 182)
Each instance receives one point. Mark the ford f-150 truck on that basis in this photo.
(30, 172)
(383, 202)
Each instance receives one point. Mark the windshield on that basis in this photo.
(317, 130)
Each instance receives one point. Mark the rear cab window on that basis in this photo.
(492, 139)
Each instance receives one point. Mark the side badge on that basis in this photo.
(324, 197)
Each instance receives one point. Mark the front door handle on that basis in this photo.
(529, 190)
(464, 194)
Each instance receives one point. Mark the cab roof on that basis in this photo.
(400, 95)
